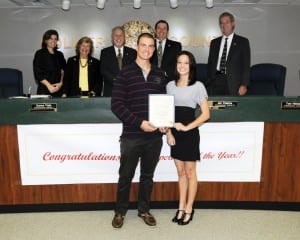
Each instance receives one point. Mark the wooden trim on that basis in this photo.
(279, 177)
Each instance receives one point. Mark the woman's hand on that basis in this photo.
(52, 88)
(180, 127)
(58, 85)
(170, 139)
(164, 129)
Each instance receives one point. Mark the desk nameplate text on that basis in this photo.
(43, 107)
(216, 105)
(289, 105)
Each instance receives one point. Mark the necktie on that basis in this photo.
(159, 54)
(223, 58)
(119, 57)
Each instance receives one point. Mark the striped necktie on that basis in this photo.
(223, 58)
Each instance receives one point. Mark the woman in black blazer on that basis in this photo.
(48, 66)
(82, 74)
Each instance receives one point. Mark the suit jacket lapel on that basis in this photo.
(114, 57)
(125, 56)
(166, 50)
(90, 65)
(218, 46)
(76, 68)
(215, 52)
(232, 47)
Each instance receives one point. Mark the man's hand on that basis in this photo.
(146, 126)
(163, 129)
(242, 90)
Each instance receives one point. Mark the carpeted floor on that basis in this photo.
(208, 224)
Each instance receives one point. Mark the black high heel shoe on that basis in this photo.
(176, 219)
(182, 222)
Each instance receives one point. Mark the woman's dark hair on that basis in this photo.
(192, 64)
(84, 40)
(47, 35)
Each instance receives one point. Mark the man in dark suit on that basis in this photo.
(113, 58)
(228, 60)
(165, 56)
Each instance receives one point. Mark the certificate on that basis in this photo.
(161, 110)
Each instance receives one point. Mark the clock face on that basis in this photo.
(133, 29)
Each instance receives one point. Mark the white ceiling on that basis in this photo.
(129, 3)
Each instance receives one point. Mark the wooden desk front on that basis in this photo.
(280, 166)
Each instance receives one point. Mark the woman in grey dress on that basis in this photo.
(184, 138)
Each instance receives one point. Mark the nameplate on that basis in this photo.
(43, 107)
(288, 105)
(215, 105)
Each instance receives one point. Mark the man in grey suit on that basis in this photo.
(165, 56)
(228, 60)
(114, 58)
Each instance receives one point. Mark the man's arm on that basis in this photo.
(246, 56)
(246, 62)
(119, 100)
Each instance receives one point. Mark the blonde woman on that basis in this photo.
(82, 74)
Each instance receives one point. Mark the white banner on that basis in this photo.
(89, 153)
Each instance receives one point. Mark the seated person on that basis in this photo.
(82, 73)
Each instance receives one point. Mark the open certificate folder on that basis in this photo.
(161, 110)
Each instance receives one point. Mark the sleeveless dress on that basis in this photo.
(187, 98)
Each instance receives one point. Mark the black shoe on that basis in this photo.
(117, 221)
(176, 219)
(148, 218)
(185, 220)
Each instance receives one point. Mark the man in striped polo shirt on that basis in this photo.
(139, 140)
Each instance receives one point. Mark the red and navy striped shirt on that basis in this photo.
(129, 101)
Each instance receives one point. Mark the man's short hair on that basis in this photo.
(162, 21)
(147, 35)
(226, 14)
(117, 28)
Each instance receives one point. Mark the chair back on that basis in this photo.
(11, 82)
(267, 79)
(202, 73)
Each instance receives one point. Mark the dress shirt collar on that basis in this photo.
(229, 40)
(117, 50)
